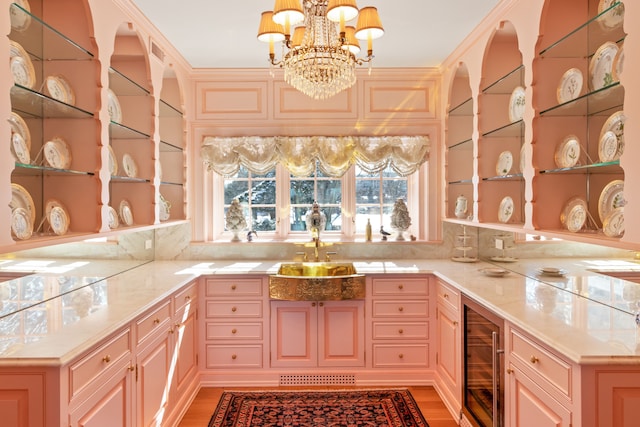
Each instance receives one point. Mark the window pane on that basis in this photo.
(367, 191)
(298, 216)
(394, 189)
(334, 218)
(329, 192)
(302, 192)
(233, 189)
(263, 192)
(264, 219)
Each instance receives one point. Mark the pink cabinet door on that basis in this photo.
(186, 346)
(154, 364)
(449, 360)
(341, 333)
(529, 405)
(293, 334)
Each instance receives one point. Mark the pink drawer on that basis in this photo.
(157, 319)
(448, 296)
(234, 331)
(400, 286)
(401, 356)
(229, 287)
(98, 361)
(185, 298)
(232, 309)
(398, 309)
(234, 356)
(400, 330)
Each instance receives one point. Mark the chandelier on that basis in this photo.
(320, 59)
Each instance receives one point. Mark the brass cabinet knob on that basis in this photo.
(455, 323)
(187, 298)
(234, 330)
(400, 308)
(401, 287)
(446, 296)
(401, 331)
(234, 309)
(233, 287)
(106, 359)
(156, 321)
(171, 331)
(401, 356)
(313, 304)
(534, 359)
(509, 371)
(131, 368)
(234, 356)
(321, 304)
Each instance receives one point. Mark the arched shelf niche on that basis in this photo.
(459, 144)
(576, 39)
(59, 110)
(501, 129)
(172, 172)
(131, 129)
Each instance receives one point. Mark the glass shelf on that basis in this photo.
(508, 177)
(120, 131)
(600, 167)
(584, 40)
(601, 102)
(122, 85)
(461, 144)
(514, 129)
(463, 109)
(461, 181)
(167, 110)
(24, 169)
(175, 184)
(120, 178)
(26, 101)
(57, 47)
(167, 147)
(506, 84)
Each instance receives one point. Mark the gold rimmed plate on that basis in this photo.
(20, 198)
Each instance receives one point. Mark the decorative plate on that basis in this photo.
(20, 198)
(613, 225)
(21, 224)
(516, 104)
(574, 214)
(60, 89)
(506, 209)
(20, 21)
(57, 153)
(505, 162)
(552, 271)
(495, 272)
(113, 106)
(614, 17)
(570, 85)
(19, 149)
(611, 197)
(165, 208)
(19, 126)
(23, 72)
(503, 259)
(615, 124)
(567, 152)
(601, 65)
(126, 215)
(57, 216)
(618, 64)
(113, 164)
(129, 165)
(608, 147)
(114, 222)
(464, 259)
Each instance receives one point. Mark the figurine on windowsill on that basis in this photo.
(250, 235)
(235, 221)
(384, 234)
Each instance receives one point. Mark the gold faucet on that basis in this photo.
(316, 246)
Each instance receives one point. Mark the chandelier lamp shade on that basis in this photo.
(319, 47)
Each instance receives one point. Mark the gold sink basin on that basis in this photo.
(316, 281)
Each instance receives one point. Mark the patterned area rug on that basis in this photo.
(352, 408)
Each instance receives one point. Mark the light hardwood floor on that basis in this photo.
(434, 411)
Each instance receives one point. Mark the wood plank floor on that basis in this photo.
(434, 411)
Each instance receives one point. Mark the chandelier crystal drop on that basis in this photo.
(320, 59)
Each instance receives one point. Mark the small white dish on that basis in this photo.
(21, 224)
(608, 147)
(19, 126)
(517, 104)
(504, 164)
(114, 222)
(129, 165)
(165, 209)
(614, 17)
(60, 89)
(20, 198)
(19, 149)
(615, 124)
(601, 65)
(20, 20)
(613, 224)
(574, 215)
(113, 163)
(494, 272)
(57, 153)
(467, 259)
(58, 217)
(567, 152)
(23, 72)
(618, 64)
(505, 210)
(611, 198)
(570, 86)
(126, 215)
(113, 106)
(552, 271)
(504, 259)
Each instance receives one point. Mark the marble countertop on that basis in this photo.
(64, 307)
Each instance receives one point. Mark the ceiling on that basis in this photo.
(222, 34)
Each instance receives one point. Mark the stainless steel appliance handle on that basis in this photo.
(496, 371)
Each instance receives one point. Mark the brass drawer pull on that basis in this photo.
(401, 287)
(106, 359)
(234, 330)
(400, 308)
(534, 359)
(156, 321)
(187, 297)
(233, 287)
(401, 356)
(234, 357)
(234, 309)
(509, 371)
(401, 331)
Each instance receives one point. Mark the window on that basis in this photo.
(257, 196)
(375, 196)
(325, 190)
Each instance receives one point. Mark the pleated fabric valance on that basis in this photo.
(335, 155)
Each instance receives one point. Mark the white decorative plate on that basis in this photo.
(613, 225)
(611, 197)
(126, 215)
(495, 272)
(23, 72)
(19, 149)
(21, 224)
(464, 259)
(114, 222)
(506, 209)
(19, 126)
(503, 259)
(570, 85)
(608, 147)
(20, 198)
(516, 104)
(57, 216)
(614, 17)
(601, 65)
(615, 124)
(567, 152)
(113, 106)
(113, 163)
(20, 21)
(129, 165)
(618, 64)
(552, 271)
(505, 162)
(57, 153)
(165, 208)
(574, 214)
(60, 89)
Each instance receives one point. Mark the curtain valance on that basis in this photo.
(335, 155)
